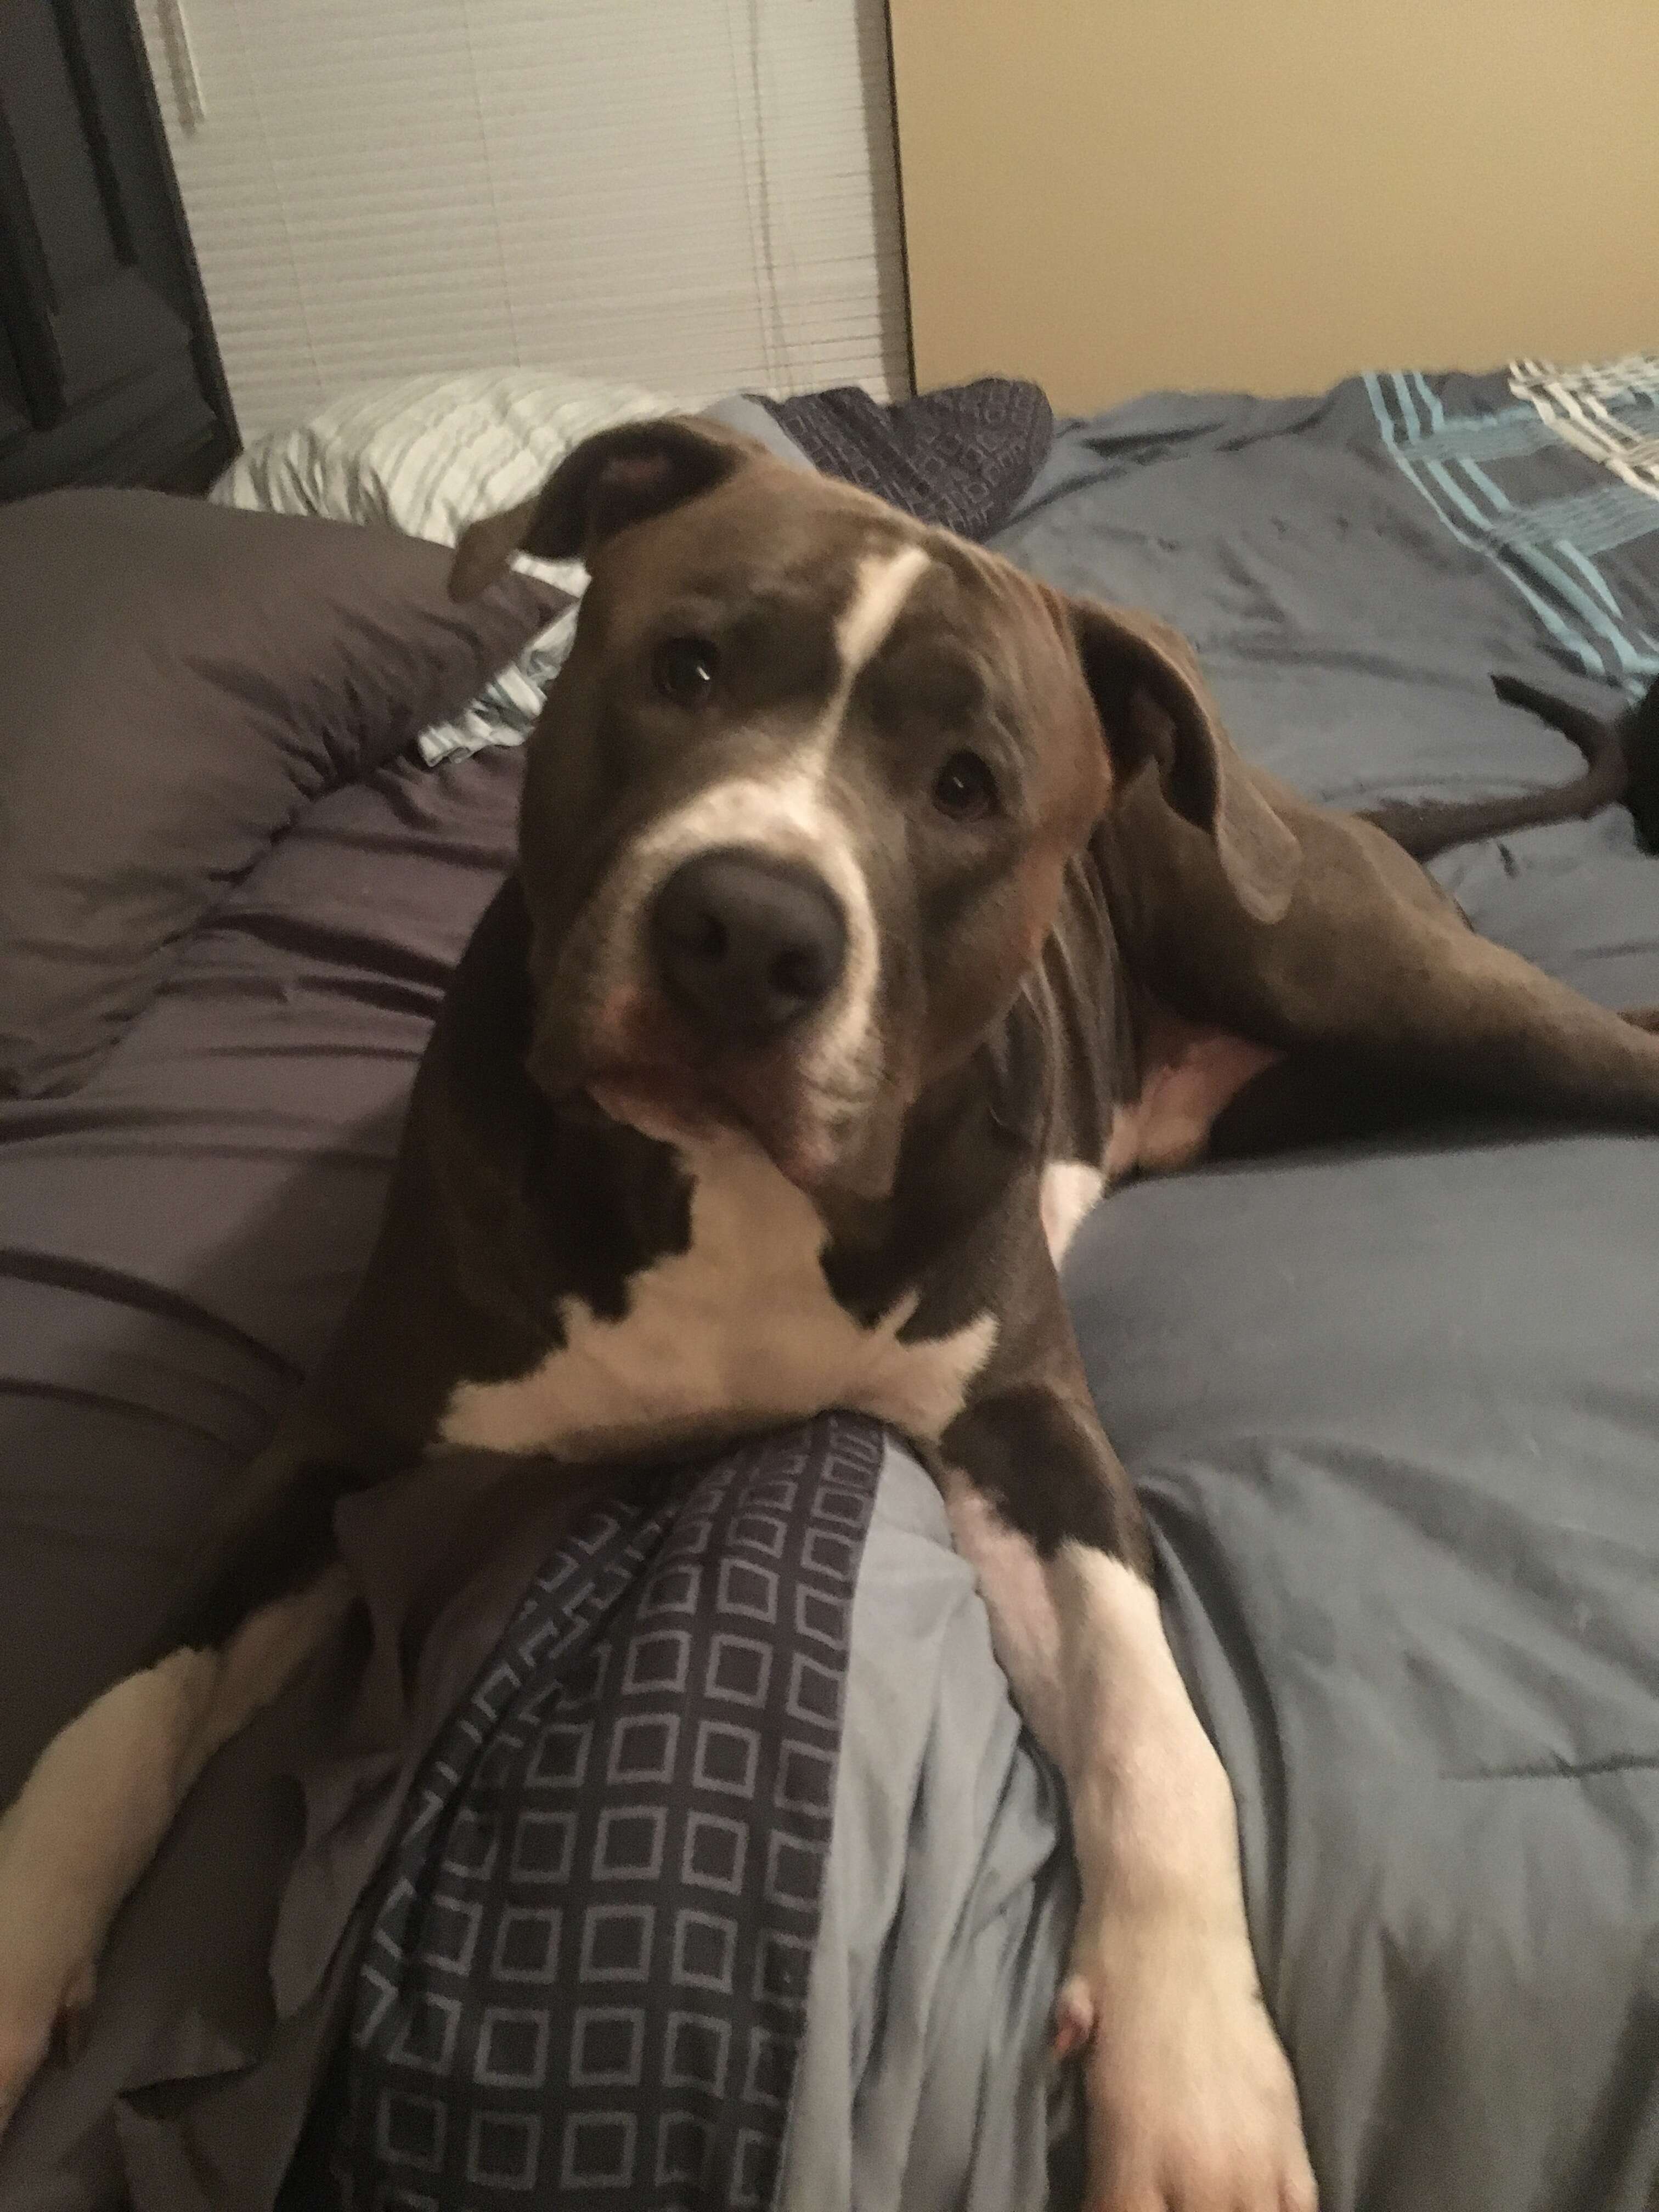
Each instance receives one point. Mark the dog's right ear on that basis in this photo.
(1154, 706)
(614, 478)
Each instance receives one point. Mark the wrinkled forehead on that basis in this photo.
(838, 579)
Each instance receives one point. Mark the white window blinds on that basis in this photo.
(694, 195)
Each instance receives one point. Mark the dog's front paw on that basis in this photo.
(1192, 2104)
(47, 1971)
(40, 2012)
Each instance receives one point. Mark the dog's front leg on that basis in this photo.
(1191, 2103)
(101, 1796)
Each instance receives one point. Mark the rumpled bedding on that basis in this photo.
(960, 459)
(1394, 1410)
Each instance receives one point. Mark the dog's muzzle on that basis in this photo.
(745, 945)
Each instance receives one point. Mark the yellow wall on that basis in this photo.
(1112, 195)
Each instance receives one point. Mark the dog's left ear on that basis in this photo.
(1154, 705)
(616, 477)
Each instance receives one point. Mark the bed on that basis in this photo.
(1393, 1409)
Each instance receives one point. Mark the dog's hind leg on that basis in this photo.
(1507, 1039)
(1373, 968)
(1431, 1004)
(102, 1794)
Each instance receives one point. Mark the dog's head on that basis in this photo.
(798, 807)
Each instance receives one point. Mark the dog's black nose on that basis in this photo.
(745, 945)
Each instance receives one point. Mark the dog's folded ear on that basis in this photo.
(617, 477)
(1154, 705)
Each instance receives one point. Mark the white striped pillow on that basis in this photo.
(427, 455)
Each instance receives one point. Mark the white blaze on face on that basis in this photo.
(884, 581)
(790, 815)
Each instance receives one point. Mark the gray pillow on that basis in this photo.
(176, 681)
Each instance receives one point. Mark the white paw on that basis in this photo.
(48, 1960)
(81, 1831)
(44, 2002)
(1191, 2103)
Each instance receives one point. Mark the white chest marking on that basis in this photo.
(1071, 1191)
(737, 1333)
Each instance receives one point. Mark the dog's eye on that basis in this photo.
(965, 789)
(682, 670)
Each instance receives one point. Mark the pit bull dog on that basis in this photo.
(876, 907)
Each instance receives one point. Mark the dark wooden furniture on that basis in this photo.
(109, 372)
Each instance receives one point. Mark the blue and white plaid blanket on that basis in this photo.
(1509, 480)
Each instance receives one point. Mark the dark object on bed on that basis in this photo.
(1621, 768)
(961, 458)
(109, 373)
(178, 680)
(661, 1727)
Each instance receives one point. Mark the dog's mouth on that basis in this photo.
(683, 1099)
(668, 1102)
(689, 1106)
(631, 1057)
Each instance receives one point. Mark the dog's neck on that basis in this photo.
(590, 1202)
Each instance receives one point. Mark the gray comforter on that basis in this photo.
(1396, 1411)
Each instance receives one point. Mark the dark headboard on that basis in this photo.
(109, 372)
